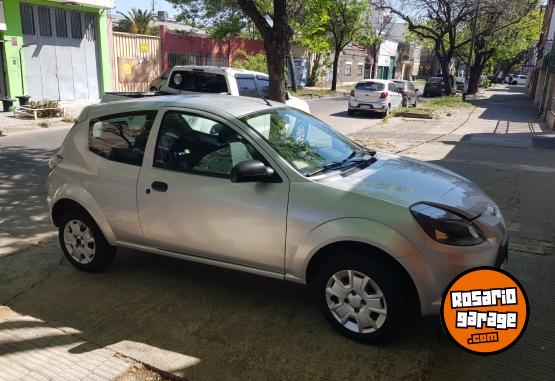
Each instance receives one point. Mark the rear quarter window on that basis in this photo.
(121, 137)
(370, 86)
(198, 81)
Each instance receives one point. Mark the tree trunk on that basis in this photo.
(314, 70)
(447, 85)
(336, 52)
(292, 72)
(276, 67)
(375, 50)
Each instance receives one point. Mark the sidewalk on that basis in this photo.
(9, 124)
(502, 147)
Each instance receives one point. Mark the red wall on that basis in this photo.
(203, 46)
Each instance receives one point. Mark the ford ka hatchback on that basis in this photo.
(264, 188)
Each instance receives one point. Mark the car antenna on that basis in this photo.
(265, 100)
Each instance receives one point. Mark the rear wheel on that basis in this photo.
(361, 297)
(415, 104)
(83, 243)
(386, 112)
(514, 83)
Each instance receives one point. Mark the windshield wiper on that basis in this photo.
(338, 164)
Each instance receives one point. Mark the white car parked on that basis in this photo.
(519, 80)
(375, 95)
(224, 80)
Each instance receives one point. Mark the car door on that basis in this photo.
(188, 204)
(396, 96)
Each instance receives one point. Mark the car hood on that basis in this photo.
(406, 181)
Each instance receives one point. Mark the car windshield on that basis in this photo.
(400, 85)
(435, 80)
(307, 143)
(370, 86)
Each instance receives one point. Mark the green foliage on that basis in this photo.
(229, 28)
(137, 21)
(257, 62)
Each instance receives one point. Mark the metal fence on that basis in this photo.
(136, 61)
(196, 59)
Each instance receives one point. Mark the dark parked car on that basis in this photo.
(434, 87)
(409, 92)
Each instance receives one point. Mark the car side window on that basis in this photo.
(392, 88)
(121, 137)
(196, 144)
(263, 87)
(247, 87)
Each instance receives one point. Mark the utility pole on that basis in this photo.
(469, 63)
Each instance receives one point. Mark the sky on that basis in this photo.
(159, 5)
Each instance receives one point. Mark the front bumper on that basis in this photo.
(434, 268)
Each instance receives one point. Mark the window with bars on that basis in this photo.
(90, 27)
(61, 23)
(76, 31)
(45, 24)
(27, 19)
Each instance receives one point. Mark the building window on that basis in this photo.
(45, 25)
(348, 66)
(90, 27)
(360, 68)
(27, 19)
(61, 23)
(76, 31)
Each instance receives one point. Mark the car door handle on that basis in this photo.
(159, 186)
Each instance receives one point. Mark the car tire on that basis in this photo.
(83, 243)
(415, 104)
(351, 112)
(372, 314)
(405, 103)
(385, 114)
(514, 83)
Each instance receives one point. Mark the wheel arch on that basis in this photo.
(73, 197)
(335, 249)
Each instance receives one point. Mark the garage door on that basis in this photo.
(60, 50)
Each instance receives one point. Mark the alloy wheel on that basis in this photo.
(356, 301)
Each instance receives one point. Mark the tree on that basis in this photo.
(255, 63)
(345, 21)
(310, 32)
(228, 30)
(272, 19)
(521, 22)
(378, 31)
(136, 21)
(439, 21)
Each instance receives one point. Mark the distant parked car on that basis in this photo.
(224, 80)
(376, 95)
(434, 87)
(408, 91)
(459, 83)
(519, 80)
(158, 82)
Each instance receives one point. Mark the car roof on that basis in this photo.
(217, 69)
(236, 106)
(375, 80)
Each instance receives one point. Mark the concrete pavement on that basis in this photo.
(208, 323)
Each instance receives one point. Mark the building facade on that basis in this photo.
(54, 49)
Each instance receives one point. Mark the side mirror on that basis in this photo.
(287, 95)
(250, 171)
(417, 90)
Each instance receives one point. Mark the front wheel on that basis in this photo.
(83, 243)
(361, 298)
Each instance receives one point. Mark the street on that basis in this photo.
(220, 324)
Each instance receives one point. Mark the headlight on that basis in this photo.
(446, 227)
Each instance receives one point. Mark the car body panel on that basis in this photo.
(409, 91)
(272, 229)
(365, 97)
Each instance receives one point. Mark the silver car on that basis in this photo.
(268, 189)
